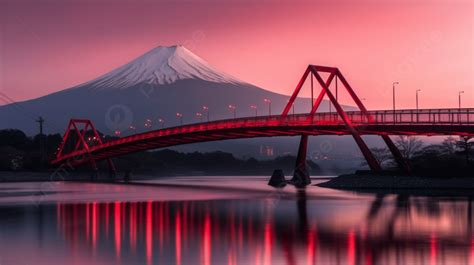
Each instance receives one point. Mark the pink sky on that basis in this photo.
(46, 46)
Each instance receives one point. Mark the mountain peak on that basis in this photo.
(161, 65)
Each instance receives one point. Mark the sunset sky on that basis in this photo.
(47, 46)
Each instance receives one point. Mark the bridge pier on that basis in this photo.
(95, 171)
(112, 170)
(401, 161)
(301, 176)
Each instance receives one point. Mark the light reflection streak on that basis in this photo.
(351, 248)
(149, 232)
(94, 225)
(311, 247)
(206, 240)
(233, 235)
(178, 238)
(117, 228)
(433, 250)
(267, 245)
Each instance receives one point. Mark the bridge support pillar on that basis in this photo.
(401, 161)
(301, 176)
(112, 170)
(95, 171)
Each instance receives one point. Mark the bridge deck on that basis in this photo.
(401, 122)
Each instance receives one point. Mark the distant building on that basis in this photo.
(266, 150)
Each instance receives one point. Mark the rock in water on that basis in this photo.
(278, 179)
(300, 178)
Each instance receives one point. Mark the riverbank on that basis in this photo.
(34, 176)
(28, 176)
(390, 182)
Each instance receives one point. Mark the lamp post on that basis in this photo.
(417, 106)
(254, 107)
(393, 90)
(180, 117)
(162, 122)
(459, 94)
(199, 115)
(206, 109)
(232, 108)
(269, 102)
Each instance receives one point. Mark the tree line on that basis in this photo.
(451, 157)
(19, 152)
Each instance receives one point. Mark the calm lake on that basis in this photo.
(227, 220)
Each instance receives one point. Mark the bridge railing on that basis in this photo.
(382, 117)
(429, 116)
(410, 116)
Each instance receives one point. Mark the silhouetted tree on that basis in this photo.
(14, 138)
(464, 144)
(382, 155)
(448, 146)
(409, 146)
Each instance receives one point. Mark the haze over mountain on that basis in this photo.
(158, 84)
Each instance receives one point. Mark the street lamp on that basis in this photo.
(232, 108)
(206, 109)
(269, 102)
(162, 122)
(460, 92)
(417, 91)
(254, 107)
(180, 116)
(393, 87)
(199, 115)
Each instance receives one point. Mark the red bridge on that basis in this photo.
(427, 122)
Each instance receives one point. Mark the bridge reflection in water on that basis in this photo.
(388, 230)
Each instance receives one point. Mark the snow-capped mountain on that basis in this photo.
(147, 93)
(160, 66)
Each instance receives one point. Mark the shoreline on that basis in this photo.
(402, 184)
(31, 176)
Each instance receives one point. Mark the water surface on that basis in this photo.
(227, 220)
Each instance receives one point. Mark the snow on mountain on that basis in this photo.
(159, 66)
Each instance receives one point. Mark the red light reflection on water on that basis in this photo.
(311, 247)
(206, 241)
(351, 248)
(201, 232)
(472, 252)
(117, 228)
(433, 250)
(267, 260)
(94, 225)
(178, 238)
(149, 232)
